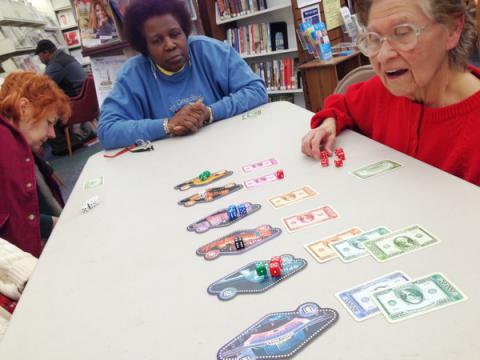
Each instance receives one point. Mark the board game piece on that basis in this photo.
(259, 165)
(260, 269)
(309, 218)
(232, 212)
(210, 194)
(239, 244)
(275, 270)
(252, 183)
(338, 163)
(279, 335)
(357, 300)
(280, 174)
(276, 259)
(324, 162)
(221, 218)
(378, 168)
(291, 197)
(90, 204)
(203, 179)
(417, 297)
(226, 244)
(242, 209)
(253, 278)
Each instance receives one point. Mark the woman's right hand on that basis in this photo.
(187, 120)
(320, 138)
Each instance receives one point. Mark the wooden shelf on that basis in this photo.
(271, 53)
(70, 27)
(252, 14)
(286, 91)
(74, 47)
(105, 49)
(335, 61)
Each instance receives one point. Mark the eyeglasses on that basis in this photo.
(403, 37)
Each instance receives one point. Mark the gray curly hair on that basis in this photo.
(442, 12)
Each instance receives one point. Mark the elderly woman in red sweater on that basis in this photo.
(30, 105)
(425, 100)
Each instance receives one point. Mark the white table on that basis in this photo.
(124, 282)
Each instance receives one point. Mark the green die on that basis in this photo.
(261, 268)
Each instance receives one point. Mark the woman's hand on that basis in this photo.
(320, 138)
(189, 119)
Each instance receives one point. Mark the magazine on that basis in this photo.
(96, 23)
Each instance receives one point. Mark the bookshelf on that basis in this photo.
(320, 78)
(264, 60)
(22, 25)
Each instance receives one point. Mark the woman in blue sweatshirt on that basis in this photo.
(179, 83)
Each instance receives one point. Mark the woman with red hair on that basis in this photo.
(30, 105)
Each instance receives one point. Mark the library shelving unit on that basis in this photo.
(320, 78)
(21, 27)
(276, 11)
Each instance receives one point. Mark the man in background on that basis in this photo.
(68, 73)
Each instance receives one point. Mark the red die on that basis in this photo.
(338, 163)
(324, 154)
(338, 150)
(277, 260)
(275, 269)
(324, 162)
(279, 174)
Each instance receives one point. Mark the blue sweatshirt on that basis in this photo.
(143, 97)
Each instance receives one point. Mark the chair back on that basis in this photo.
(85, 104)
(362, 73)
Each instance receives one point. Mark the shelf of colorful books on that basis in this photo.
(270, 53)
(286, 91)
(270, 9)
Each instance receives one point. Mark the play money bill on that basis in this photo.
(320, 249)
(417, 297)
(376, 169)
(357, 300)
(93, 183)
(309, 218)
(400, 242)
(291, 197)
(351, 249)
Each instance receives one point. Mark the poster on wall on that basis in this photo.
(105, 71)
(72, 38)
(311, 14)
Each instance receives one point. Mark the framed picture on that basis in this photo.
(66, 18)
(72, 38)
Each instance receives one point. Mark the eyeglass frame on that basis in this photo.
(418, 31)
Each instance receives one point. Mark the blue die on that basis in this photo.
(242, 209)
(232, 212)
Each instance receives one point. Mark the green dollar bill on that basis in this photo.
(400, 242)
(417, 297)
(93, 183)
(352, 248)
(376, 169)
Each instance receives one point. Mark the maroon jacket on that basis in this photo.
(19, 208)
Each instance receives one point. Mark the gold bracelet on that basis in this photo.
(165, 127)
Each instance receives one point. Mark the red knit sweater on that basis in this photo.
(448, 137)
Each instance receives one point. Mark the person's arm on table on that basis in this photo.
(339, 112)
(244, 89)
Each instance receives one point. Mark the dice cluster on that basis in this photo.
(204, 175)
(339, 153)
(274, 267)
(236, 211)
(90, 204)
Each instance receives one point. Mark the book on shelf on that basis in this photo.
(250, 39)
(95, 22)
(233, 8)
(66, 18)
(278, 74)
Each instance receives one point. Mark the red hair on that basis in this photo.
(42, 92)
